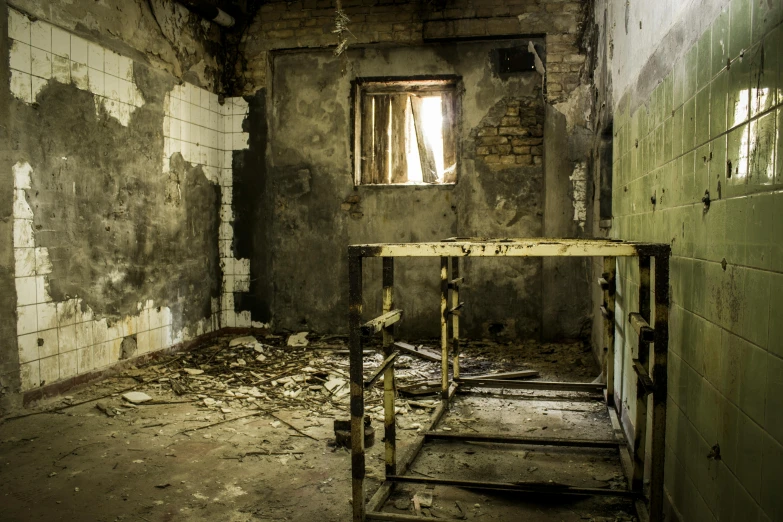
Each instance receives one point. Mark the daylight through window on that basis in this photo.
(406, 133)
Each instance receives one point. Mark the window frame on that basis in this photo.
(361, 87)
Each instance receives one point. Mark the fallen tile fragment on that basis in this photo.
(135, 397)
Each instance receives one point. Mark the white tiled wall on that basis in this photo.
(58, 340)
(40, 53)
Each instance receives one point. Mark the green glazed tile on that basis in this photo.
(738, 93)
(718, 168)
(678, 81)
(702, 116)
(667, 139)
(766, 15)
(668, 94)
(702, 160)
(737, 161)
(756, 303)
(704, 53)
(776, 260)
(763, 78)
(776, 334)
(677, 133)
(760, 236)
(739, 27)
(688, 174)
(716, 230)
(761, 153)
(689, 125)
(689, 73)
(659, 146)
(779, 148)
(720, 41)
(718, 89)
(772, 467)
(775, 41)
(736, 219)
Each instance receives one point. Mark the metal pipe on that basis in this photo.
(209, 12)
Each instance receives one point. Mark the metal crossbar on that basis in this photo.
(650, 371)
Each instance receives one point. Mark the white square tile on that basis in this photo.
(236, 122)
(79, 76)
(240, 105)
(23, 233)
(21, 208)
(213, 120)
(61, 69)
(125, 68)
(95, 56)
(111, 87)
(19, 56)
(47, 316)
(25, 291)
(24, 262)
(66, 338)
(47, 343)
(175, 128)
(42, 289)
(115, 349)
(38, 85)
(97, 81)
(84, 360)
(50, 370)
(100, 355)
(41, 63)
(79, 50)
(61, 43)
(28, 347)
(26, 320)
(204, 117)
(195, 134)
(41, 36)
(204, 98)
(30, 375)
(240, 140)
(155, 339)
(43, 264)
(243, 320)
(241, 283)
(214, 106)
(111, 63)
(99, 331)
(126, 91)
(18, 26)
(226, 195)
(67, 312)
(83, 334)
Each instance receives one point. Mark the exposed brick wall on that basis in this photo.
(309, 23)
(516, 138)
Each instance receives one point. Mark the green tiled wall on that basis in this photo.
(714, 126)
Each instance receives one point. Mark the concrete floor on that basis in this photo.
(79, 464)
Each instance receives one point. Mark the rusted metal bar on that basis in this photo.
(357, 384)
(381, 370)
(534, 385)
(641, 327)
(529, 441)
(521, 487)
(380, 496)
(640, 423)
(659, 376)
(507, 248)
(608, 283)
(395, 517)
(455, 305)
(389, 420)
(444, 326)
(419, 351)
(376, 325)
(524, 374)
(644, 380)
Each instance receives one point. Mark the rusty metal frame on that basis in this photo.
(650, 371)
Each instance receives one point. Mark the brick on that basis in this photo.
(482, 151)
(488, 131)
(512, 111)
(509, 121)
(493, 158)
(523, 159)
(574, 58)
(513, 131)
(493, 140)
(504, 149)
(508, 160)
(537, 160)
(521, 150)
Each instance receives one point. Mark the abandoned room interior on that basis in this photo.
(391, 260)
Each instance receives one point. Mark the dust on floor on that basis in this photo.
(243, 431)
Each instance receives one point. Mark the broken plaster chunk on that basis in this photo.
(193, 371)
(298, 339)
(136, 397)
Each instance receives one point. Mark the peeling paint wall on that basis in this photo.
(116, 210)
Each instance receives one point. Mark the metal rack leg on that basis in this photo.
(640, 424)
(659, 375)
(444, 330)
(610, 272)
(357, 385)
(390, 432)
(455, 318)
